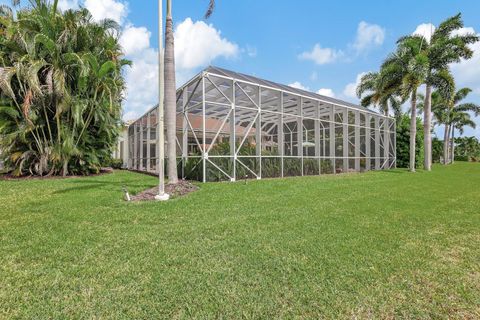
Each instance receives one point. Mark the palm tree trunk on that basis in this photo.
(65, 168)
(413, 130)
(452, 148)
(170, 97)
(427, 123)
(445, 144)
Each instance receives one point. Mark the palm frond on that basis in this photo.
(367, 83)
(461, 94)
(446, 27)
(468, 107)
(9, 112)
(106, 68)
(210, 9)
(49, 44)
(6, 75)
(32, 76)
(6, 11)
(444, 82)
(367, 101)
(109, 24)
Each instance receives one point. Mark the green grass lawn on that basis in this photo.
(376, 245)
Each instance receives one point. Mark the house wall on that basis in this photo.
(121, 152)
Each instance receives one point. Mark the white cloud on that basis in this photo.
(107, 9)
(321, 55)
(142, 83)
(467, 72)
(368, 36)
(314, 76)
(326, 92)
(64, 5)
(463, 31)
(426, 30)
(134, 40)
(131, 115)
(350, 90)
(323, 91)
(197, 44)
(142, 78)
(298, 85)
(251, 51)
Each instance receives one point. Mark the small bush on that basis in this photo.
(437, 150)
(467, 149)
(462, 158)
(116, 163)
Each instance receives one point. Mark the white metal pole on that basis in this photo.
(162, 196)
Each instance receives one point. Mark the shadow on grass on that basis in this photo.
(405, 171)
(82, 185)
(397, 171)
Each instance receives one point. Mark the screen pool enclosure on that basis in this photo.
(232, 126)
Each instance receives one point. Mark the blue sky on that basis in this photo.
(316, 44)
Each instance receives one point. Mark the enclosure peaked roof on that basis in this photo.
(275, 85)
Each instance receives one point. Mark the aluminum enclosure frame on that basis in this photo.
(231, 126)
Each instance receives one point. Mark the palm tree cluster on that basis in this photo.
(419, 61)
(453, 115)
(61, 89)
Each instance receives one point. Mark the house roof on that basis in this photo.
(275, 85)
(213, 70)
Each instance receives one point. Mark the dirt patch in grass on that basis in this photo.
(182, 188)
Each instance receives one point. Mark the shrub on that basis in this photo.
(326, 166)
(462, 158)
(403, 143)
(116, 163)
(437, 150)
(467, 149)
(61, 89)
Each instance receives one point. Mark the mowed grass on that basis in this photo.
(375, 245)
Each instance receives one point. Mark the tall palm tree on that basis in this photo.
(170, 91)
(453, 115)
(372, 93)
(170, 97)
(405, 71)
(446, 46)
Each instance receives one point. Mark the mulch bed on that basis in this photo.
(8, 176)
(180, 189)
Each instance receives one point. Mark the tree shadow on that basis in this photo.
(396, 171)
(82, 185)
(404, 171)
